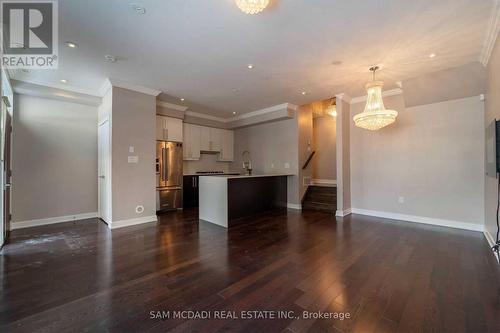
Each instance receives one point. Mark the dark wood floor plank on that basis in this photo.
(389, 276)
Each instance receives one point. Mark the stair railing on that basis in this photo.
(308, 160)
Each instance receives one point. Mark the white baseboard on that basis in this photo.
(294, 206)
(130, 222)
(342, 213)
(489, 238)
(420, 219)
(52, 220)
(324, 182)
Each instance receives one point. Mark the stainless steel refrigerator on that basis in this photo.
(168, 175)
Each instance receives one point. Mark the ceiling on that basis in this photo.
(199, 50)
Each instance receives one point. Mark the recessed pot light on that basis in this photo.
(182, 99)
(64, 81)
(138, 8)
(249, 66)
(110, 58)
(432, 55)
(71, 45)
(303, 93)
(234, 112)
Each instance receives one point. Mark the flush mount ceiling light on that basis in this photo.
(332, 109)
(252, 6)
(375, 116)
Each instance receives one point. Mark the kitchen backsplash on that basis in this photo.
(207, 162)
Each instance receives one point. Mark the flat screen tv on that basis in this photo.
(492, 152)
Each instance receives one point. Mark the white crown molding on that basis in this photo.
(53, 92)
(387, 93)
(51, 220)
(344, 97)
(171, 106)
(206, 116)
(110, 82)
(130, 222)
(491, 34)
(284, 106)
(420, 219)
(271, 109)
(59, 86)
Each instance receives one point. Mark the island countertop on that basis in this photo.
(249, 176)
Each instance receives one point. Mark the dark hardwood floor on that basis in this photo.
(389, 276)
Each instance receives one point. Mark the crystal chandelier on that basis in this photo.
(375, 116)
(252, 6)
(332, 109)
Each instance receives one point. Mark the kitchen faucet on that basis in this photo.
(247, 164)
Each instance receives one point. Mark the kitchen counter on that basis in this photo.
(225, 199)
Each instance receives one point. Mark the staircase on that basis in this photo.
(320, 198)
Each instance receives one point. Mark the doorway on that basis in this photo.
(104, 171)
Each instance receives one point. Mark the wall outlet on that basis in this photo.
(139, 209)
(272, 165)
(287, 165)
(401, 200)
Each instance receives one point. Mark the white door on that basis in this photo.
(104, 180)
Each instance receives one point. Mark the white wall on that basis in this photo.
(54, 159)
(433, 156)
(492, 112)
(133, 124)
(271, 146)
(324, 143)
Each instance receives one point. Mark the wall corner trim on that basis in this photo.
(420, 219)
(491, 34)
(52, 220)
(294, 206)
(343, 213)
(130, 222)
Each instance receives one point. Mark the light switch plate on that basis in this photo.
(131, 149)
(133, 159)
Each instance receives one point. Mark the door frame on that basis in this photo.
(107, 219)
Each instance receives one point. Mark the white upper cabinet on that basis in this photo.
(192, 142)
(168, 129)
(205, 138)
(227, 146)
(209, 139)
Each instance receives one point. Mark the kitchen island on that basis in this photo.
(225, 199)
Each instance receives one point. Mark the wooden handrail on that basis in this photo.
(308, 160)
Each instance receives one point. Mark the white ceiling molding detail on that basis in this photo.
(44, 91)
(205, 116)
(344, 97)
(289, 106)
(284, 106)
(491, 34)
(172, 106)
(60, 86)
(387, 93)
(110, 82)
